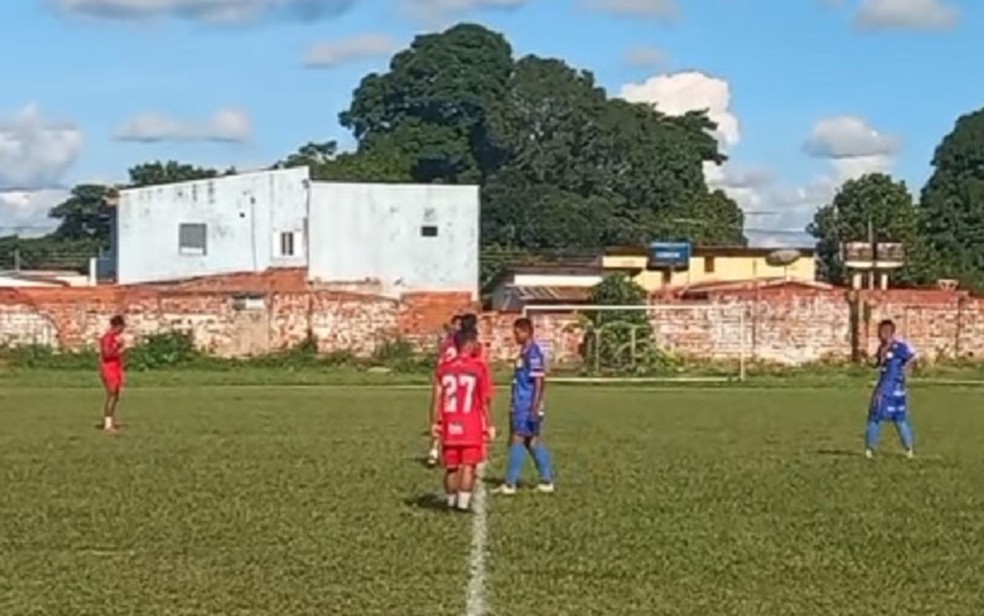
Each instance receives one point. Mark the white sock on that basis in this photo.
(464, 500)
(452, 500)
(108, 423)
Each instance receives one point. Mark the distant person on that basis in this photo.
(527, 412)
(890, 400)
(111, 348)
(446, 351)
(462, 419)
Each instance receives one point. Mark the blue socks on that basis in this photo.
(543, 464)
(871, 434)
(517, 457)
(905, 434)
(903, 428)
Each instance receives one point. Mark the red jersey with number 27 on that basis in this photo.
(464, 383)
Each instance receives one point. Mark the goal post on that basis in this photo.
(712, 339)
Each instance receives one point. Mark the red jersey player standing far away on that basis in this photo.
(111, 349)
(446, 351)
(462, 419)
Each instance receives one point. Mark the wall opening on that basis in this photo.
(428, 231)
(192, 239)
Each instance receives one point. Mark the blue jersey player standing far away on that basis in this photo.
(890, 400)
(526, 416)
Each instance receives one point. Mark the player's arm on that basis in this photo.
(435, 412)
(538, 374)
(485, 383)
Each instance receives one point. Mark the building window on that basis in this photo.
(287, 244)
(192, 239)
(708, 265)
(428, 231)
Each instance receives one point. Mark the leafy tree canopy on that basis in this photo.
(874, 203)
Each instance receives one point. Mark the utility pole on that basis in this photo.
(874, 255)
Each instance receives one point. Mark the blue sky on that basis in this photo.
(808, 92)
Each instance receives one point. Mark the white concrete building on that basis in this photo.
(401, 237)
(391, 238)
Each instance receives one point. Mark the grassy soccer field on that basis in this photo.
(293, 501)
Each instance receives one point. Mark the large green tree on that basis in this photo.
(561, 166)
(873, 205)
(951, 220)
(431, 107)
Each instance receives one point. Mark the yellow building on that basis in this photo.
(716, 265)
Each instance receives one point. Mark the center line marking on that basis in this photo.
(475, 604)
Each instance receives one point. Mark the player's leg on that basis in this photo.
(902, 427)
(544, 463)
(517, 458)
(876, 412)
(452, 467)
(112, 384)
(466, 484)
(871, 435)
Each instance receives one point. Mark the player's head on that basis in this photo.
(454, 325)
(466, 340)
(523, 330)
(469, 322)
(117, 324)
(886, 330)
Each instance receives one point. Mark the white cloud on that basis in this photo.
(646, 56)
(205, 10)
(851, 146)
(437, 10)
(226, 125)
(906, 15)
(848, 137)
(660, 10)
(678, 93)
(335, 53)
(25, 213)
(36, 152)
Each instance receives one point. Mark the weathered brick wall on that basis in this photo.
(787, 325)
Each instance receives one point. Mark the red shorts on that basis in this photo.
(112, 378)
(462, 455)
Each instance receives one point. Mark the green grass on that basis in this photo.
(306, 501)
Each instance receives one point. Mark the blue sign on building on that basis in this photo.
(669, 255)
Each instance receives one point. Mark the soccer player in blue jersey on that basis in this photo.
(526, 415)
(890, 400)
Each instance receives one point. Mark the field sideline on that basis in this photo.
(311, 500)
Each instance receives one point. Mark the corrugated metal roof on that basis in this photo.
(552, 294)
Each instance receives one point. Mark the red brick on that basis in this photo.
(787, 325)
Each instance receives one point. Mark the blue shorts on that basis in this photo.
(526, 423)
(893, 407)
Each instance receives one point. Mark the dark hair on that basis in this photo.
(524, 324)
(889, 323)
(465, 336)
(469, 322)
(117, 321)
(456, 319)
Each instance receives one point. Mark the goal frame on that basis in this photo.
(528, 311)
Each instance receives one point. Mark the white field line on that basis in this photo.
(475, 604)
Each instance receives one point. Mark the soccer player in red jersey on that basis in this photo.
(446, 351)
(111, 370)
(462, 419)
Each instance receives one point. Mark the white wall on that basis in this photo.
(371, 233)
(552, 280)
(244, 215)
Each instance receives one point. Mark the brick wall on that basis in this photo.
(787, 324)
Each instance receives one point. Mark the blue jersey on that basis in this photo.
(529, 368)
(890, 400)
